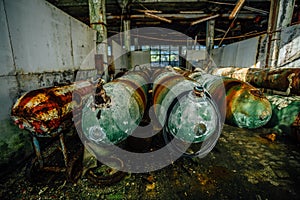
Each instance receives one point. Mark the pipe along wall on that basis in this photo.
(283, 80)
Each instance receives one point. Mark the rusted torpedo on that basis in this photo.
(245, 105)
(186, 111)
(285, 80)
(116, 109)
(47, 112)
(43, 111)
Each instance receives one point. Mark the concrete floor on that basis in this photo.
(243, 165)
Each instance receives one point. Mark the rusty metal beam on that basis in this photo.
(204, 19)
(220, 30)
(158, 17)
(72, 4)
(180, 16)
(256, 10)
(244, 7)
(148, 11)
(236, 9)
(147, 23)
(231, 25)
(191, 12)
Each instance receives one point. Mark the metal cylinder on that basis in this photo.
(281, 79)
(43, 111)
(185, 110)
(244, 105)
(83, 90)
(113, 122)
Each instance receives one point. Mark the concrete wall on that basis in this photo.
(39, 45)
(247, 53)
(289, 54)
(253, 52)
(44, 38)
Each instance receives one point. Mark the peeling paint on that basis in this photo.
(290, 45)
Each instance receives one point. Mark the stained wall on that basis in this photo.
(40, 45)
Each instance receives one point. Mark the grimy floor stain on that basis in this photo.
(243, 165)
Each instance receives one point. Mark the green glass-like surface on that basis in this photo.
(116, 122)
(193, 118)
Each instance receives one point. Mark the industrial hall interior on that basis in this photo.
(150, 99)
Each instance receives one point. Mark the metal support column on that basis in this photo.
(210, 30)
(281, 13)
(98, 23)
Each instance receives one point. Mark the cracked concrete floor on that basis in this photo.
(243, 165)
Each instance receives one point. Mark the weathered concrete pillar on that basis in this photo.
(126, 26)
(98, 23)
(127, 40)
(210, 32)
(136, 44)
(281, 12)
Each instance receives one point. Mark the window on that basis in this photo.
(164, 55)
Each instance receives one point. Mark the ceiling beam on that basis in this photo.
(220, 30)
(191, 12)
(148, 11)
(72, 4)
(158, 17)
(231, 25)
(263, 12)
(180, 16)
(237, 8)
(204, 19)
